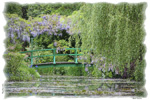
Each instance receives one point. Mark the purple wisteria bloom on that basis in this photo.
(60, 25)
(24, 38)
(58, 49)
(9, 28)
(67, 27)
(63, 49)
(49, 32)
(63, 28)
(38, 31)
(60, 34)
(12, 36)
(29, 30)
(40, 23)
(58, 17)
(31, 66)
(109, 68)
(34, 34)
(45, 30)
(34, 28)
(44, 17)
(55, 43)
(17, 30)
(36, 66)
(43, 23)
(99, 68)
(104, 65)
(86, 69)
(86, 65)
(28, 39)
(55, 34)
(92, 62)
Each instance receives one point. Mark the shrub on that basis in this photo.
(13, 8)
(17, 69)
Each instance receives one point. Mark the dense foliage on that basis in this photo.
(110, 37)
(13, 8)
(17, 69)
(115, 32)
(62, 9)
(33, 10)
(45, 28)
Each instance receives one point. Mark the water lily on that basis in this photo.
(30, 93)
(86, 87)
(99, 89)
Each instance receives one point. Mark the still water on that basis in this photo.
(74, 86)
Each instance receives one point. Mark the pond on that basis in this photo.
(75, 86)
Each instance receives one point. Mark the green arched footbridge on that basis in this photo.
(54, 63)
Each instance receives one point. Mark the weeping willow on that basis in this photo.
(115, 32)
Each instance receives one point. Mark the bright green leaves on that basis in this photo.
(114, 31)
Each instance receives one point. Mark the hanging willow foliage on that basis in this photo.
(113, 31)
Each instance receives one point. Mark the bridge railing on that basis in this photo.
(54, 54)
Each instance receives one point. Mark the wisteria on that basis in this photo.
(53, 26)
(99, 62)
(86, 69)
(25, 29)
(31, 66)
(55, 43)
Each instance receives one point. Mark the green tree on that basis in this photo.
(112, 31)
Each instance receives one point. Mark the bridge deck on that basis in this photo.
(59, 64)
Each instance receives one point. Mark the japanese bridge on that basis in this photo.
(54, 63)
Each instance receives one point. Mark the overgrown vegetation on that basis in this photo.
(110, 37)
(17, 69)
(33, 10)
(115, 32)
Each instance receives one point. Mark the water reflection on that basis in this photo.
(76, 86)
